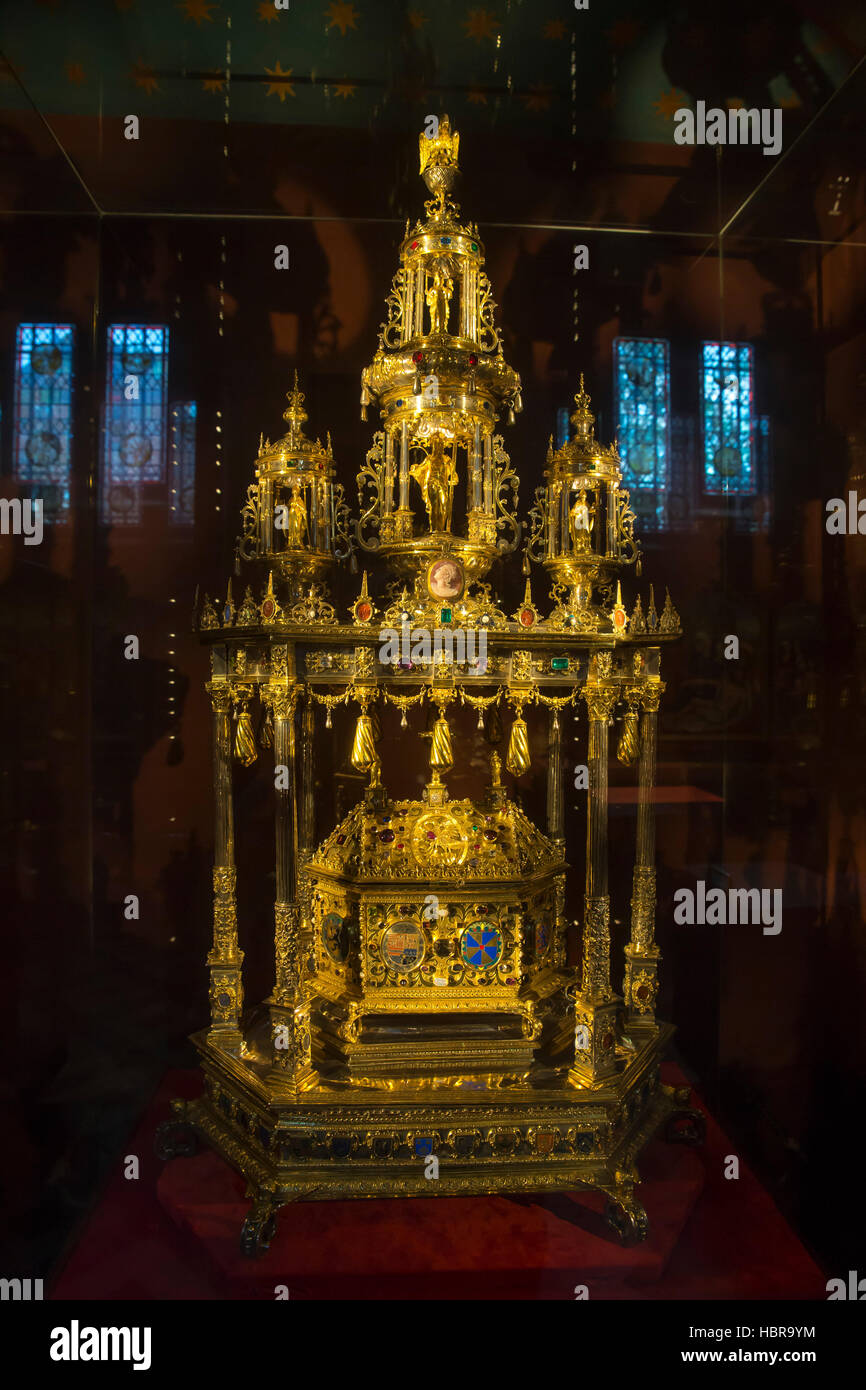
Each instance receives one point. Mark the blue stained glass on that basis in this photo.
(42, 444)
(562, 427)
(726, 415)
(643, 411)
(181, 495)
(134, 435)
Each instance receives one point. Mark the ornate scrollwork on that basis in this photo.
(393, 329)
(248, 541)
(489, 336)
(371, 481)
(313, 607)
(506, 483)
(627, 546)
(534, 548)
(343, 545)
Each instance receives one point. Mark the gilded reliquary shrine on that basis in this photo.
(424, 1004)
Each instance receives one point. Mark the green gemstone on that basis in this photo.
(559, 663)
(473, 246)
(445, 615)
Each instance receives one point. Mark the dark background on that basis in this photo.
(566, 137)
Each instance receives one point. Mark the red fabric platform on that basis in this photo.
(173, 1234)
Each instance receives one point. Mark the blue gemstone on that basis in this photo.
(423, 1146)
(445, 240)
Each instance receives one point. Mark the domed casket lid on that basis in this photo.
(404, 841)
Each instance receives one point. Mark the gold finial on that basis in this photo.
(440, 148)
(364, 593)
(295, 414)
(438, 160)
(582, 418)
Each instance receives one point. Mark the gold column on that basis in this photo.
(640, 983)
(290, 1015)
(224, 959)
(308, 816)
(403, 515)
(595, 1003)
(488, 475)
(555, 822)
(266, 504)
(388, 500)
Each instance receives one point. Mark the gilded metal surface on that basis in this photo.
(423, 1002)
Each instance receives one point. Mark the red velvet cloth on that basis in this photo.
(173, 1234)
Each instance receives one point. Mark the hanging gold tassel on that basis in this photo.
(266, 729)
(441, 753)
(629, 739)
(364, 745)
(245, 739)
(518, 758)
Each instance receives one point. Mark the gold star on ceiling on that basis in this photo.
(670, 101)
(281, 85)
(538, 97)
(345, 89)
(197, 10)
(342, 16)
(477, 98)
(480, 24)
(268, 11)
(144, 76)
(554, 29)
(417, 19)
(75, 73)
(214, 83)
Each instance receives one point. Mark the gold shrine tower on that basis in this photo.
(423, 1002)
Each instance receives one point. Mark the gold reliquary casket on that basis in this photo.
(439, 937)
(428, 1031)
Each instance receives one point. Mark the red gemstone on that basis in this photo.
(415, 245)
(607, 1041)
(527, 617)
(417, 357)
(472, 359)
(431, 834)
(642, 992)
(363, 612)
(267, 608)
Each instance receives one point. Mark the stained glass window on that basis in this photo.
(181, 481)
(643, 409)
(563, 427)
(42, 441)
(726, 414)
(134, 436)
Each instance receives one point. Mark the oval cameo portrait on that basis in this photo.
(445, 578)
